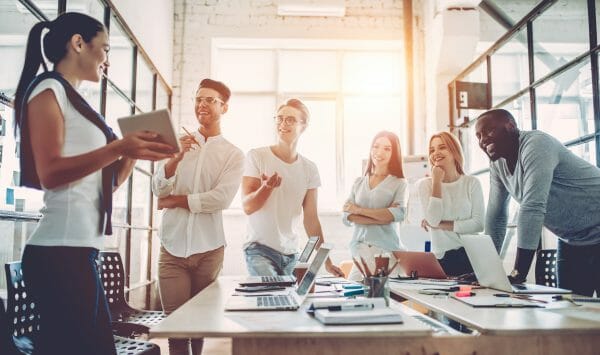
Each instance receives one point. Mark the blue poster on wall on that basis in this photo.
(10, 196)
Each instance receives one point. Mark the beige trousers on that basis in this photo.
(179, 279)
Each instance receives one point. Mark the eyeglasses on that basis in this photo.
(289, 120)
(209, 100)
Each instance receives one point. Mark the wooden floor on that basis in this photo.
(212, 346)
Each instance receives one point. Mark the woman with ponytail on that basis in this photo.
(69, 152)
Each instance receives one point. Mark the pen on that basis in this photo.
(351, 307)
(191, 135)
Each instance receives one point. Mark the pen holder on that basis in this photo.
(378, 287)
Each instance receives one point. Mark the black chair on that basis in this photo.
(6, 338)
(545, 268)
(24, 321)
(127, 320)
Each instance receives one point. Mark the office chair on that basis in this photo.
(6, 338)
(545, 268)
(126, 319)
(24, 319)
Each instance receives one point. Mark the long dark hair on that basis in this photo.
(55, 48)
(395, 165)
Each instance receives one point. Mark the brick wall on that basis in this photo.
(197, 21)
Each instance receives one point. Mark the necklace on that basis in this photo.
(379, 175)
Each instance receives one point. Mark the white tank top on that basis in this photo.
(71, 213)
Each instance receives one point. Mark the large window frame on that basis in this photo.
(122, 241)
(481, 70)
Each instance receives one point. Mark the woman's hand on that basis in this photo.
(438, 174)
(143, 145)
(352, 208)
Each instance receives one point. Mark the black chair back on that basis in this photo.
(24, 320)
(112, 275)
(545, 268)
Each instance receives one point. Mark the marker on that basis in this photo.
(191, 135)
(351, 307)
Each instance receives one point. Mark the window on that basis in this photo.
(353, 89)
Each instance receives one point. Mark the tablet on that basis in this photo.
(158, 121)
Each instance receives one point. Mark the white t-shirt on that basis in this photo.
(461, 202)
(71, 213)
(278, 223)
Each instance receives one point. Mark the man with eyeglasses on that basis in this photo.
(279, 194)
(554, 188)
(193, 188)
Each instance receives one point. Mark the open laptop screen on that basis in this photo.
(308, 249)
(311, 273)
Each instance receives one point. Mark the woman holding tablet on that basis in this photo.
(377, 202)
(452, 204)
(69, 152)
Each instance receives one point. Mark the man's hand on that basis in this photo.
(516, 278)
(187, 143)
(173, 201)
(425, 225)
(332, 269)
(270, 182)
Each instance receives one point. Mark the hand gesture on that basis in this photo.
(143, 145)
(270, 182)
(437, 173)
(187, 143)
(334, 270)
(425, 225)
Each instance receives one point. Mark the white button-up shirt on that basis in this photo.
(210, 177)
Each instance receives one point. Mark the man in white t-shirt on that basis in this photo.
(279, 187)
(194, 188)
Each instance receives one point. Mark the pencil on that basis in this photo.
(191, 135)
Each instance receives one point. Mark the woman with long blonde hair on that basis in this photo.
(452, 203)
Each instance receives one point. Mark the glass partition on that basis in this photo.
(559, 35)
(565, 104)
(510, 71)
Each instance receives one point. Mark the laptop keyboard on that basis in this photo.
(275, 301)
(273, 279)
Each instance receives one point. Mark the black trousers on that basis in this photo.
(578, 268)
(456, 262)
(74, 315)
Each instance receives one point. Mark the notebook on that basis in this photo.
(489, 270)
(289, 302)
(282, 280)
(371, 316)
(425, 264)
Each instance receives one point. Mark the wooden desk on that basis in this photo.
(284, 332)
(512, 330)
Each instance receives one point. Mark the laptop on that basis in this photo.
(282, 302)
(490, 272)
(423, 263)
(282, 280)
